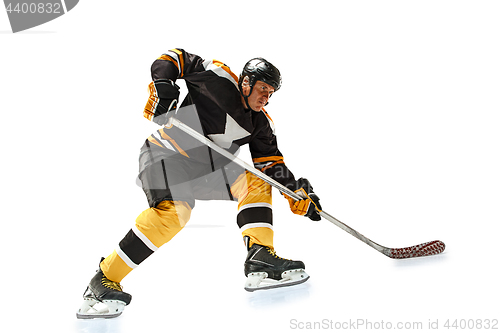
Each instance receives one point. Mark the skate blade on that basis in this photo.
(91, 309)
(259, 281)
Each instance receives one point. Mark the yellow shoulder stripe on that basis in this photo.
(181, 59)
(224, 67)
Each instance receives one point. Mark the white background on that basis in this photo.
(389, 108)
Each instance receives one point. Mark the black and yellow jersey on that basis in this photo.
(213, 106)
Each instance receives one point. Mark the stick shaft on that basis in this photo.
(353, 232)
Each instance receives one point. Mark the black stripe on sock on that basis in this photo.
(255, 214)
(135, 248)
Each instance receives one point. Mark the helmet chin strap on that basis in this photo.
(245, 97)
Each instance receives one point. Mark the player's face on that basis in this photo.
(260, 95)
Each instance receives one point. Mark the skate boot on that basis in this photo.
(265, 270)
(103, 298)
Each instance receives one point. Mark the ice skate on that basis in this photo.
(265, 270)
(103, 298)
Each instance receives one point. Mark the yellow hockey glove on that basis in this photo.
(162, 101)
(309, 206)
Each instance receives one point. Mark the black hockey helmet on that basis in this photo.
(259, 69)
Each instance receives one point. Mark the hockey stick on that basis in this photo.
(421, 250)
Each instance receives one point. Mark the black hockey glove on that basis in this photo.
(309, 206)
(162, 102)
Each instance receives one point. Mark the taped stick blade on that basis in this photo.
(421, 250)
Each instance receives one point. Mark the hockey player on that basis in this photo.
(175, 170)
